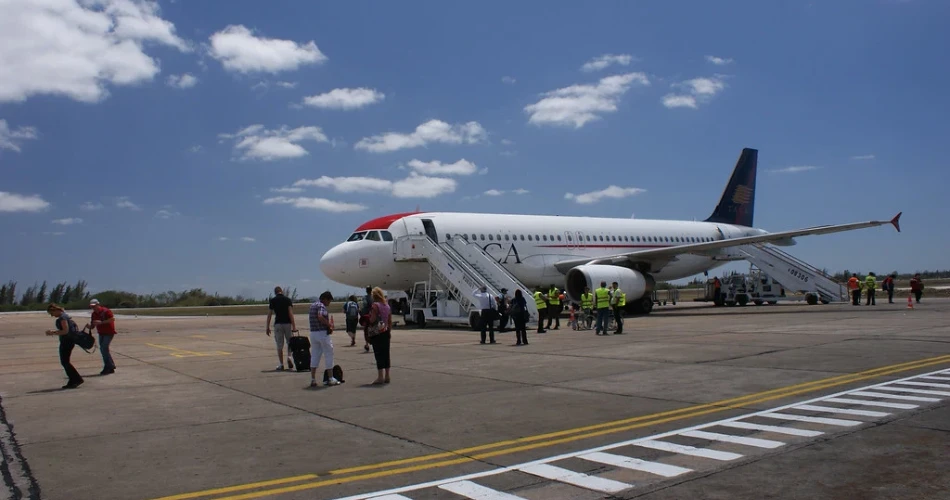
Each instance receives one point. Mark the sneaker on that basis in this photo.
(313, 383)
(280, 368)
(333, 381)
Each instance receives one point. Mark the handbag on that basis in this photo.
(82, 338)
(378, 327)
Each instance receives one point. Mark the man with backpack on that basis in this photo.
(352, 311)
(104, 321)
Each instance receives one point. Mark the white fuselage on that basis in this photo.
(528, 246)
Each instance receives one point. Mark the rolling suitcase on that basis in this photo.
(300, 350)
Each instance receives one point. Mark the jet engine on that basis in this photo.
(633, 283)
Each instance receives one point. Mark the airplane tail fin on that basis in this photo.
(737, 204)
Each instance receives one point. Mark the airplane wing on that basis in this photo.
(656, 258)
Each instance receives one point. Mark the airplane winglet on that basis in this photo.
(896, 221)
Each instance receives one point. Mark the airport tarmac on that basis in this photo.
(786, 401)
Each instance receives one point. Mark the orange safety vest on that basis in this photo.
(853, 283)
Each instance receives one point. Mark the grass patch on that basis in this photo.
(300, 310)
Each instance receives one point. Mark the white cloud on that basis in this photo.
(719, 61)
(194, 149)
(461, 167)
(248, 239)
(521, 191)
(609, 192)
(286, 190)
(67, 222)
(510, 80)
(166, 214)
(507, 142)
(12, 202)
(222, 238)
(863, 157)
(124, 202)
(795, 169)
(316, 204)
(348, 184)
(345, 98)
(578, 104)
(429, 132)
(606, 60)
(257, 143)
(420, 186)
(493, 192)
(698, 90)
(286, 85)
(239, 50)
(90, 206)
(183, 81)
(11, 139)
(78, 48)
(53, 233)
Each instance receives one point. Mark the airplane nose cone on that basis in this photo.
(331, 264)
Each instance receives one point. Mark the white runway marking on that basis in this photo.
(933, 377)
(882, 395)
(927, 384)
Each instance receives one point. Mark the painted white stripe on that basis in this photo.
(392, 497)
(861, 391)
(771, 428)
(843, 411)
(927, 384)
(585, 481)
(893, 396)
(688, 450)
(912, 391)
(474, 491)
(813, 420)
(932, 377)
(635, 464)
(728, 438)
(882, 404)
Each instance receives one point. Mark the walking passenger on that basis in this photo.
(380, 325)
(352, 312)
(486, 308)
(917, 287)
(519, 314)
(64, 327)
(320, 343)
(282, 308)
(104, 321)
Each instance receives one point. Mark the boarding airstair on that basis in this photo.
(460, 267)
(794, 274)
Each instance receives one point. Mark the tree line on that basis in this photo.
(77, 296)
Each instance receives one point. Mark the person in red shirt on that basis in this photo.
(104, 321)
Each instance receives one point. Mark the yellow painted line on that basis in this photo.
(182, 353)
(545, 440)
(232, 489)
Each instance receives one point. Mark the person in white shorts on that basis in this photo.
(320, 343)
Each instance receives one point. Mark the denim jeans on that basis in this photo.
(104, 341)
(602, 320)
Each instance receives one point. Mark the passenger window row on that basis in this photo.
(580, 239)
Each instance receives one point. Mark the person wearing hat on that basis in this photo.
(104, 321)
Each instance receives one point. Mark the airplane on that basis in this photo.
(574, 252)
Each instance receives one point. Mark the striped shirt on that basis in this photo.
(317, 309)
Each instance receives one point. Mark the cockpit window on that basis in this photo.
(387, 236)
(356, 236)
(372, 236)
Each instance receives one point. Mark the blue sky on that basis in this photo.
(166, 127)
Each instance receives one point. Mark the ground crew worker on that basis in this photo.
(870, 283)
(554, 307)
(917, 287)
(618, 299)
(541, 301)
(717, 291)
(854, 284)
(602, 303)
(587, 303)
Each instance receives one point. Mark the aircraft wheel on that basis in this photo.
(420, 319)
(742, 300)
(811, 299)
(758, 302)
(646, 305)
(772, 302)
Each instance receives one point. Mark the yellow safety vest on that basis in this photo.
(586, 301)
(621, 297)
(870, 283)
(603, 298)
(539, 301)
(553, 297)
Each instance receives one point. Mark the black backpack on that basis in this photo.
(337, 374)
(82, 338)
